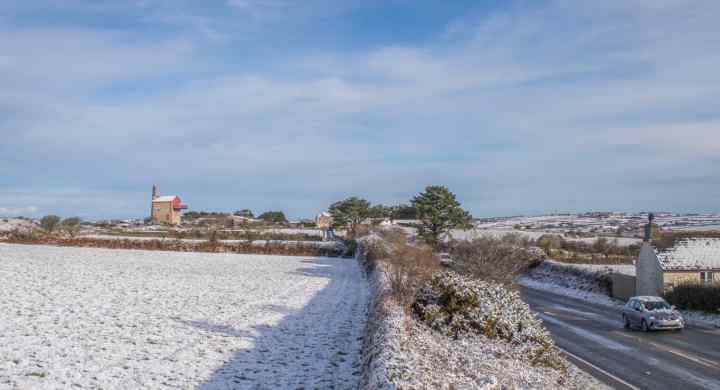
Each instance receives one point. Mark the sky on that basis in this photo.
(519, 107)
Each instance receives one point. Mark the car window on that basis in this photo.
(658, 305)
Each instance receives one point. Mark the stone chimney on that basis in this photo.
(649, 228)
(154, 192)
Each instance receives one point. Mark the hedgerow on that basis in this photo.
(456, 305)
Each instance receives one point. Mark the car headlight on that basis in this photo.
(652, 318)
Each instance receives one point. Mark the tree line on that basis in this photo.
(267, 216)
(436, 210)
(52, 223)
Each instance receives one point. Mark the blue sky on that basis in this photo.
(520, 107)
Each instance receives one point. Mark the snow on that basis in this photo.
(560, 285)
(10, 224)
(120, 319)
(572, 292)
(692, 254)
(625, 269)
(166, 198)
(402, 353)
(534, 235)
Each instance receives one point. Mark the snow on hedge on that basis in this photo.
(123, 319)
(455, 305)
(403, 352)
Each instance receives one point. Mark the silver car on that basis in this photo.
(651, 313)
(445, 259)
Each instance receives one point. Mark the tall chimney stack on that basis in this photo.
(649, 228)
(154, 196)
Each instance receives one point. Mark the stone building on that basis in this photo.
(690, 259)
(166, 209)
(324, 221)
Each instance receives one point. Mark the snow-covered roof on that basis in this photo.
(167, 198)
(692, 254)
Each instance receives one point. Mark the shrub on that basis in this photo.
(350, 248)
(550, 243)
(213, 239)
(493, 259)
(394, 236)
(274, 248)
(49, 223)
(409, 268)
(273, 217)
(599, 278)
(22, 236)
(693, 296)
(71, 226)
(360, 231)
(375, 248)
(456, 305)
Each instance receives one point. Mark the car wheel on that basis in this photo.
(644, 326)
(627, 322)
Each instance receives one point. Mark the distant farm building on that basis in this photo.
(324, 220)
(166, 209)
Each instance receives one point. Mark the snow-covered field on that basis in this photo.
(533, 235)
(10, 224)
(123, 319)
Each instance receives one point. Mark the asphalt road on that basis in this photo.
(593, 338)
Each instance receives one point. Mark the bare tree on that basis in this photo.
(71, 226)
(49, 223)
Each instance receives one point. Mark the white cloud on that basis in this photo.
(533, 92)
(19, 211)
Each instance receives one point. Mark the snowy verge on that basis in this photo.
(589, 296)
(692, 317)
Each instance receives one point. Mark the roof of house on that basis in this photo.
(167, 198)
(691, 254)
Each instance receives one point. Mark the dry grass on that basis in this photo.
(408, 269)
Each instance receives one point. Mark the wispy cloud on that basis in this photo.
(571, 103)
(28, 211)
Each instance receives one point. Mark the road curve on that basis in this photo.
(593, 337)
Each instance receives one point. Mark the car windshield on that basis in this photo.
(656, 305)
